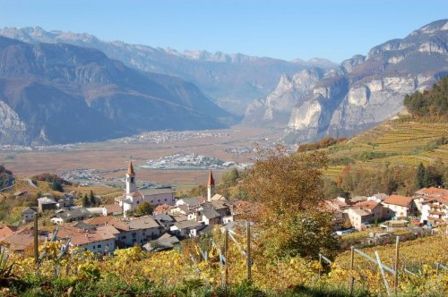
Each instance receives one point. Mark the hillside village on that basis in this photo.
(103, 229)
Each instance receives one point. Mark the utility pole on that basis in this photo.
(249, 255)
(397, 261)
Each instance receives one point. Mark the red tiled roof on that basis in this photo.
(6, 231)
(162, 209)
(398, 200)
(80, 237)
(366, 204)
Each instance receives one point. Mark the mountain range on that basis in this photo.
(360, 93)
(60, 87)
(61, 93)
(231, 80)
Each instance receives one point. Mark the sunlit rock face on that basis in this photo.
(364, 91)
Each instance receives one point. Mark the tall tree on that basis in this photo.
(289, 188)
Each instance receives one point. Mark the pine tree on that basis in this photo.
(421, 179)
(85, 201)
(92, 199)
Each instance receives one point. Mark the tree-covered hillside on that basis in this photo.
(430, 103)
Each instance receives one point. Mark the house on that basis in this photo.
(164, 220)
(358, 218)
(338, 204)
(97, 239)
(429, 194)
(190, 203)
(366, 212)
(45, 203)
(134, 231)
(22, 240)
(75, 214)
(379, 197)
(434, 211)
(186, 228)
(209, 215)
(164, 242)
(401, 206)
(6, 231)
(376, 209)
(28, 215)
(133, 197)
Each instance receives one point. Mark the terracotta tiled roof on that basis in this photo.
(162, 209)
(23, 239)
(432, 191)
(367, 204)
(81, 237)
(6, 231)
(398, 200)
(111, 208)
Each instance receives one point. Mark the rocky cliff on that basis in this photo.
(362, 92)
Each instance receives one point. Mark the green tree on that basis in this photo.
(144, 208)
(57, 186)
(85, 202)
(92, 199)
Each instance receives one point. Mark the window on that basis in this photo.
(99, 246)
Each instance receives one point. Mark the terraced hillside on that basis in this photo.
(397, 142)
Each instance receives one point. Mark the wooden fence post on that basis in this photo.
(397, 261)
(352, 260)
(383, 275)
(226, 263)
(36, 240)
(249, 254)
(320, 265)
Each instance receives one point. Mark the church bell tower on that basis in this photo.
(130, 179)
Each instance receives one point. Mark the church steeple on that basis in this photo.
(210, 186)
(131, 171)
(130, 179)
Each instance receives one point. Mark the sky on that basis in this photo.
(285, 29)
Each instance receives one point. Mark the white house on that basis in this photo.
(402, 206)
(97, 239)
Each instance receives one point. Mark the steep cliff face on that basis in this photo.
(275, 109)
(366, 90)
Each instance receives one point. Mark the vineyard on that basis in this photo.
(205, 268)
(395, 142)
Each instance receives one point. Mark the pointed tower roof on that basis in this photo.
(131, 169)
(211, 180)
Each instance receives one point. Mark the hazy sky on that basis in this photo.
(333, 29)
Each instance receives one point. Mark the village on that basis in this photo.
(103, 229)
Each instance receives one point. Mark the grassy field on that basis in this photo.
(400, 142)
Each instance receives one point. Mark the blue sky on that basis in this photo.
(333, 29)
